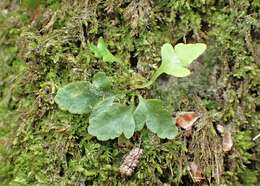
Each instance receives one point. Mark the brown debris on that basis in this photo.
(217, 172)
(36, 12)
(196, 172)
(220, 129)
(131, 161)
(257, 136)
(205, 149)
(3, 142)
(227, 141)
(49, 25)
(61, 130)
(186, 120)
(137, 12)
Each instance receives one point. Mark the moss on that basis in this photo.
(42, 51)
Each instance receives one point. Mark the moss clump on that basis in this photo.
(45, 47)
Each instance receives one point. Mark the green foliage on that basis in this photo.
(109, 121)
(42, 145)
(175, 60)
(81, 96)
(249, 177)
(101, 51)
(32, 4)
(77, 97)
(244, 142)
(101, 82)
(157, 119)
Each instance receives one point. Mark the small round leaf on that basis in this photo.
(77, 97)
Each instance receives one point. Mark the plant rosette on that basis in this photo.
(110, 119)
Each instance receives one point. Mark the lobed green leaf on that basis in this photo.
(175, 60)
(102, 52)
(189, 52)
(156, 118)
(109, 121)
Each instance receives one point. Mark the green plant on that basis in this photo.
(109, 120)
(175, 60)
(108, 117)
(81, 96)
(101, 51)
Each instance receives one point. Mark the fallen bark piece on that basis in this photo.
(186, 120)
(131, 161)
(196, 172)
(227, 141)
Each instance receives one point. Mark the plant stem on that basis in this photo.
(154, 77)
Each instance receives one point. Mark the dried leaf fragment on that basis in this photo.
(196, 172)
(186, 120)
(35, 13)
(61, 130)
(217, 173)
(3, 142)
(227, 141)
(131, 161)
(220, 129)
(49, 25)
